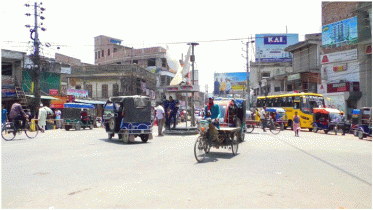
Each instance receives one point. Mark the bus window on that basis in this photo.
(289, 102)
(283, 102)
(296, 105)
(306, 106)
(276, 102)
(270, 102)
(259, 102)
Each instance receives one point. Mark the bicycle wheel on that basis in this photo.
(7, 131)
(32, 130)
(250, 128)
(275, 128)
(234, 145)
(200, 149)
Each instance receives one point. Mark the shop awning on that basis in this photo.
(90, 101)
(354, 96)
(44, 97)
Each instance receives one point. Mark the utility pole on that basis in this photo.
(36, 55)
(192, 58)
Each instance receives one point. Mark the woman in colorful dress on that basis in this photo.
(296, 124)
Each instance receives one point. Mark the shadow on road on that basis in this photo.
(120, 142)
(215, 156)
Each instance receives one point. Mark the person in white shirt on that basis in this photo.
(160, 118)
(262, 115)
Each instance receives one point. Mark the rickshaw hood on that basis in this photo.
(326, 111)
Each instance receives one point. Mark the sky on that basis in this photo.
(221, 28)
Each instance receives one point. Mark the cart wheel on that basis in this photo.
(110, 136)
(310, 129)
(355, 132)
(234, 145)
(250, 128)
(360, 134)
(144, 137)
(78, 126)
(326, 131)
(91, 127)
(67, 128)
(315, 129)
(200, 148)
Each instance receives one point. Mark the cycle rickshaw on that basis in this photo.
(229, 134)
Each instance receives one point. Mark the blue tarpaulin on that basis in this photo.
(78, 106)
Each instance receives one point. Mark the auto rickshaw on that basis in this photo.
(364, 127)
(355, 121)
(278, 115)
(323, 118)
(129, 117)
(72, 116)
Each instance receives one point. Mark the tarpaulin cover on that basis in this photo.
(79, 106)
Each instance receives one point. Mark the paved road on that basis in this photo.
(82, 169)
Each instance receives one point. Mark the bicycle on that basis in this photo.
(274, 127)
(9, 130)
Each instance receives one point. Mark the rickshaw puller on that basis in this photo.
(213, 111)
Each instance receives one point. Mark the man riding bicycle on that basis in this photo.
(17, 113)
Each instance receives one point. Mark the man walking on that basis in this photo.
(262, 115)
(160, 118)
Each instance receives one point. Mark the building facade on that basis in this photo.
(346, 61)
(109, 50)
(306, 65)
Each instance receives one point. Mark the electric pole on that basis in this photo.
(192, 58)
(36, 55)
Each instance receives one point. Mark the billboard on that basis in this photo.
(270, 47)
(226, 83)
(340, 32)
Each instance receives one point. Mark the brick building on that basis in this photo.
(109, 50)
(346, 60)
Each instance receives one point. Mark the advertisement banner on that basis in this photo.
(270, 47)
(341, 32)
(347, 55)
(224, 83)
(53, 92)
(338, 87)
(78, 93)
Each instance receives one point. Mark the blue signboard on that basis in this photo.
(270, 47)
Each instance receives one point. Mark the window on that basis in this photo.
(95, 55)
(115, 50)
(98, 53)
(89, 89)
(102, 53)
(266, 75)
(115, 90)
(135, 62)
(164, 62)
(151, 62)
(277, 89)
(104, 91)
(108, 52)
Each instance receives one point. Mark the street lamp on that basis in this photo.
(192, 59)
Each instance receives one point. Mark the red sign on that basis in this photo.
(340, 68)
(53, 92)
(70, 98)
(368, 49)
(338, 87)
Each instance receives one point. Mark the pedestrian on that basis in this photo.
(165, 106)
(4, 115)
(42, 118)
(343, 122)
(160, 118)
(262, 115)
(173, 111)
(296, 124)
(58, 118)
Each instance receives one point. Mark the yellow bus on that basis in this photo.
(303, 103)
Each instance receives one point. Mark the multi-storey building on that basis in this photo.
(109, 50)
(346, 60)
(306, 64)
